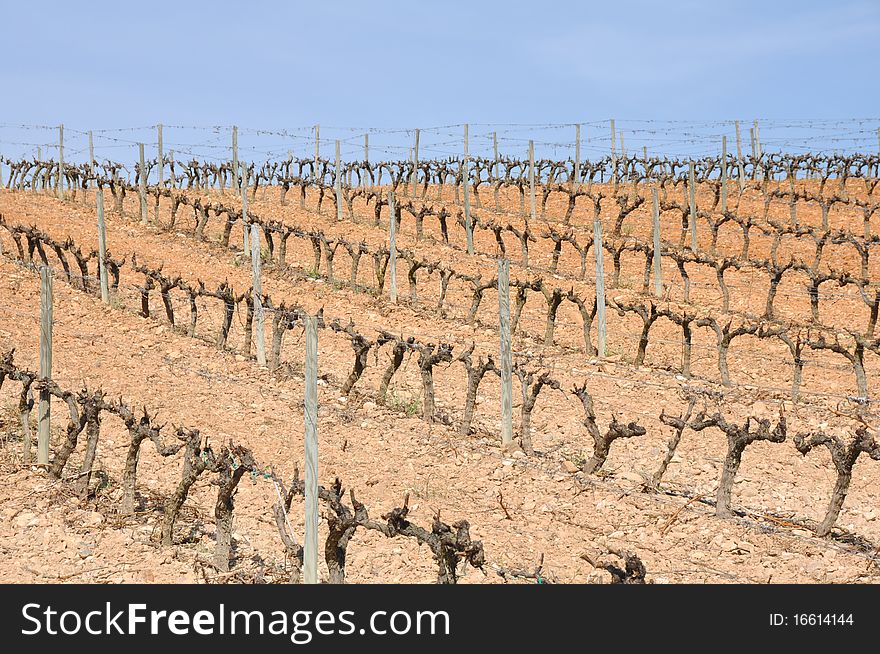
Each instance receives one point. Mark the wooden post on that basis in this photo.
(44, 416)
(366, 157)
(613, 154)
(246, 247)
(234, 180)
(724, 173)
(392, 249)
(532, 203)
(658, 263)
(415, 165)
(495, 170)
(310, 536)
(102, 247)
(161, 158)
(758, 153)
(754, 152)
(91, 153)
(317, 152)
(256, 273)
(259, 322)
(338, 184)
(600, 286)
(506, 357)
(739, 159)
(465, 177)
(142, 185)
(692, 204)
(496, 166)
(577, 156)
(61, 161)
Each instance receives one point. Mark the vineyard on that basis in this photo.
(691, 346)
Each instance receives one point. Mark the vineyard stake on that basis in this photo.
(613, 154)
(256, 269)
(61, 161)
(577, 156)
(392, 249)
(161, 180)
(723, 173)
(754, 153)
(310, 536)
(600, 286)
(91, 153)
(658, 264)
(465, 176)
(234, 180)
(415, 164)
(506, 364)
(102, 247)
(246, 247)
(317, 152)
(739, 159)
(532, 203)
(366, 157)
(259, 322)
(495, 169)
(161, 161)
(338, 185)
(142, 185)
(44, 416)
(495, 148)
(692, 204)
(758, 153)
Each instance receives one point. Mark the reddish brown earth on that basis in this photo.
(521, 507)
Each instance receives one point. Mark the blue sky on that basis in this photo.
(407, 64)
